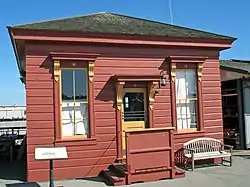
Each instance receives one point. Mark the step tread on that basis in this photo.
(179, 170)
(121, 167)
(112, 176)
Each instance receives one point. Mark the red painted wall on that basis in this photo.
(88, 160)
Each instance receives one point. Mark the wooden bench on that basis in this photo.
(205, 148)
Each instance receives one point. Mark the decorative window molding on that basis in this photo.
(186, 59)
(151, 90)
(199, 71)
(56, 70)
(173, 71)
(73, 56)
(194, 62)
(91, 71)
(119, 97)
(73, 61)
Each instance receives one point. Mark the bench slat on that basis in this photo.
(200, 156)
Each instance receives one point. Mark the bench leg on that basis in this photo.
(231, 160)
(231, 157)
(185, 163)
(192, 162)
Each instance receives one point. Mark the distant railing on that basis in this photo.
(6, 131)
(12, 113)
(13, 119)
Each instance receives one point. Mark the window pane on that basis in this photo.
(193, 119)
(68, 110)
(191, 82)
(82, 127)
(186, 114)
(67, 127)
(180, 84)
(81, 117)
(81, 110)
(133, 104)
(80, 84)
(67, 85)
(186, 89)
(186, 83)
(74, 113)
(182, 121)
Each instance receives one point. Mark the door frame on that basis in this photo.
(150, 93)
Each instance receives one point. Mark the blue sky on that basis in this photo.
(229, 17)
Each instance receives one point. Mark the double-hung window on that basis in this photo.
(186, 99)
(74, 102)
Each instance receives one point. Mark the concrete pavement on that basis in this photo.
(216, 176)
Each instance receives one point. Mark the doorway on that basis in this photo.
(233, 122)
(134, 112)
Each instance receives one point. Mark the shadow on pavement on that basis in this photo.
(13, 171)
(33, 184)
(243, 156)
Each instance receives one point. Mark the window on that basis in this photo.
(133, 105)
(74, 102)
(186, 98)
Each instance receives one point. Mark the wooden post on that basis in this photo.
(151, 99)
(119, 103)
(91, 99)
(240, 114)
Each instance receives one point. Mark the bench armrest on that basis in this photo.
(192, 150)
(228, 146)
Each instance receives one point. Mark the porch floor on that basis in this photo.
(223, 176)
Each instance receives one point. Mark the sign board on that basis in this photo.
(50, 153)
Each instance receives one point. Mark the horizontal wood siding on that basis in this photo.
(40, 110)
(88, 159)
(212, 105)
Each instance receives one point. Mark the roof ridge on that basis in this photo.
(59, 19)
(238, 60)
(235, 60)
(159, 22)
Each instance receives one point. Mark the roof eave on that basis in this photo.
(76, 36)
(21, 72)
(237, 70)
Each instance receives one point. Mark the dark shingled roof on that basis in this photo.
(240, 66)
(119, 24)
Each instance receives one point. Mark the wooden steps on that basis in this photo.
(119, 168)
(114, 175)
(179, 173)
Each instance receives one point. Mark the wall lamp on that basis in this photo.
(163, 82)
(163, 78)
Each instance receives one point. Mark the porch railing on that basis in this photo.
(150, 151)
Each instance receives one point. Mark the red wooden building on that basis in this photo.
(90, 79)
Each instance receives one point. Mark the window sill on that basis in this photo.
(193, 131)
(76, 141)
